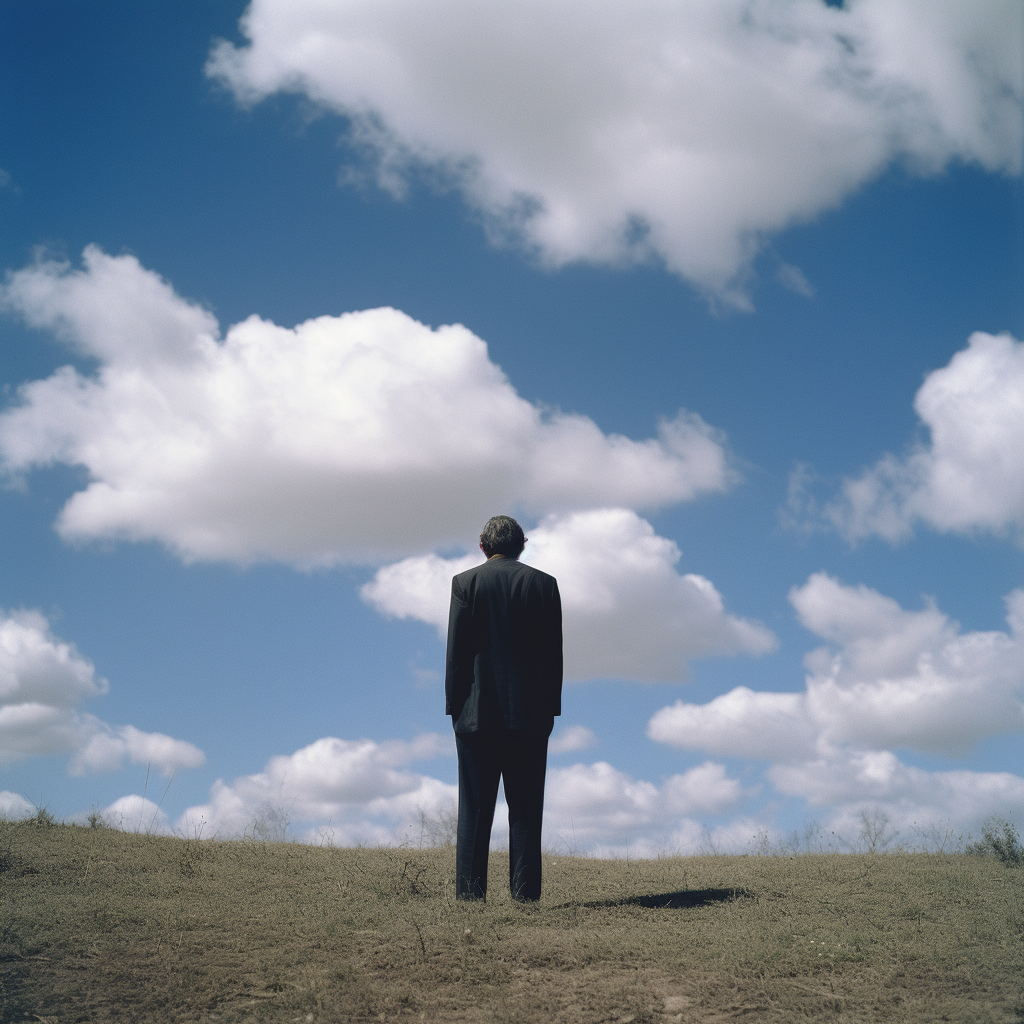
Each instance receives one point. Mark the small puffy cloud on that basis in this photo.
(892, 679)
(355, 437)
(685, 133)
(417, 588)
(104, 749)
(136, 814)
(14, 807)
(42, 681)
(740, 723)
(362, 788)
(969, 477)
(571, 739)
(626, 610)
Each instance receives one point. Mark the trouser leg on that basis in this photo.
(479, 773)
(524, 765)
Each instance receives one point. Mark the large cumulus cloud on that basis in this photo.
(43, 680)
(345, 438)
(627, 612)
(615, 133)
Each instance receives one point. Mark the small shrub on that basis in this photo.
(439, 829)
(190, 861)
(875, 833)
(271, 824)
(43, 818)
(999, 839)
(96, 819)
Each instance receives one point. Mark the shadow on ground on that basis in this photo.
(679, 900)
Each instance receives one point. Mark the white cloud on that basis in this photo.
(740, 723)
(42, 681)
(417, 588)
(893, 679)
(136, 814)
(626, 611)
(14, 807)
(351, 792)
(596, 806)
(795, 280)
(346, 438)
(359, 787)
(616, 133)
(851, 783)
(362, 792)
(571, 739)
(897, 679)
(970, 475)
(103, 748)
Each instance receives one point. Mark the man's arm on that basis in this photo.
(456, 685)
(554, 654)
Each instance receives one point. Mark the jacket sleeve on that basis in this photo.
(554, 658)
(457, 680)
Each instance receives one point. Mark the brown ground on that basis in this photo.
(98, 926)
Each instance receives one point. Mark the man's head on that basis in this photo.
(502, 535)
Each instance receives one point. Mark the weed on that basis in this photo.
(439, 829)
(875, 833)
(999, 839)
(190, 860)
(270, 825)
(43, 818)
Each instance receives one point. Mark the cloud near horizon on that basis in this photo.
(891, 679)
(627, 612)
(682, 133)
(360, 789)
(349, 792)
(345, 438)
(42, 681)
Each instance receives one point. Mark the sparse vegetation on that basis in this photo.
(96, 819)
(100, 925)
(999, 839)
(271, 825)
(42, 818)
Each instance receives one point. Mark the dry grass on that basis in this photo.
(98, 925)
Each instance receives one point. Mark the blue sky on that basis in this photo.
(740, 292)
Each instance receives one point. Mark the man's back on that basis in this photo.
(504, 665)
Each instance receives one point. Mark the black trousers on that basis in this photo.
(520, 758)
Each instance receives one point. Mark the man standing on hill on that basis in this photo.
(503, 688)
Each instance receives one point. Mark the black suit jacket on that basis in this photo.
(504, 665)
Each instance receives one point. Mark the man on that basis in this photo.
(503, 689)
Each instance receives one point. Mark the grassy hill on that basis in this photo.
(98, 925)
